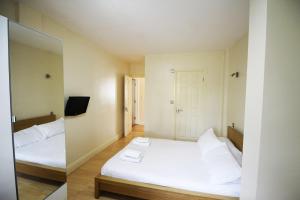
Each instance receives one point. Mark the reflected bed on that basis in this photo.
(44, 159)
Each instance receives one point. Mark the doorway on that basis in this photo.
(134, 94)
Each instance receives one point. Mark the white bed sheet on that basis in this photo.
(170, 163)
(49, 152)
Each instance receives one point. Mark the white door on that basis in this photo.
(190, 88)
(138, 101)
(134, 108)
(127, 105)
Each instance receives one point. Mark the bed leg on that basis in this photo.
(97, 189)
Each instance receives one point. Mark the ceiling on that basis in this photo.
(29, 37)
(131, 29)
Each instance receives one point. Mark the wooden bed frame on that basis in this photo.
(156, 192)
(35, 170)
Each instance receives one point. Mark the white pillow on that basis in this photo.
(27, 136)
(208, 141)
(223, 168)
(237, 154)
(52, 128)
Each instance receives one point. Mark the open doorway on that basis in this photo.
(134, 95)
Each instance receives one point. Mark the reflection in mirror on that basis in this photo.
(37, 94)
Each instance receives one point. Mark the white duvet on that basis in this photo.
(49, 152)
(169, 163)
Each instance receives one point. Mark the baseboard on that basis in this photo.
(83, 159)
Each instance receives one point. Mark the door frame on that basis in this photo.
(8, 183)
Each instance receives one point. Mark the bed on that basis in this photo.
(148, 179)
(45, 159)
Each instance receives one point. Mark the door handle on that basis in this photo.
(126, 109)
(178, 110)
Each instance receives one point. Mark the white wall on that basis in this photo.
(235, 91)
(159, 113)
(32, 94)
(271, 158)
(254, 97)
(89, 71)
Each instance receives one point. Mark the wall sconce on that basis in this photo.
(235, 74)
(47, 76)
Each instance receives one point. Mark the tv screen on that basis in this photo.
(76, 105)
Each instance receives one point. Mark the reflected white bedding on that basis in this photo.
(169, 163)
(49, 152)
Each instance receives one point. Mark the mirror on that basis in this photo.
(37, 96)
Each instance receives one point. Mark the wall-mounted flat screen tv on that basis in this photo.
(76, 105)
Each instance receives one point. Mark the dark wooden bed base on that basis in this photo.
(149, 191)
(41, 172)
(33, 170)
(156, 192)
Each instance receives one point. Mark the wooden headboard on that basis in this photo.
(26, 123)
(236, 137)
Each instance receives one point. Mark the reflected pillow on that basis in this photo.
(52, 128)
(27, 136)
(208, 141)
(223, 168)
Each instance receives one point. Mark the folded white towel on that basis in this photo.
(134, 160)
(142, 139)
(144, 144)
(131, 153)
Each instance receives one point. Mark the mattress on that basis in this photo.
(48, 152)
(169, 163)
